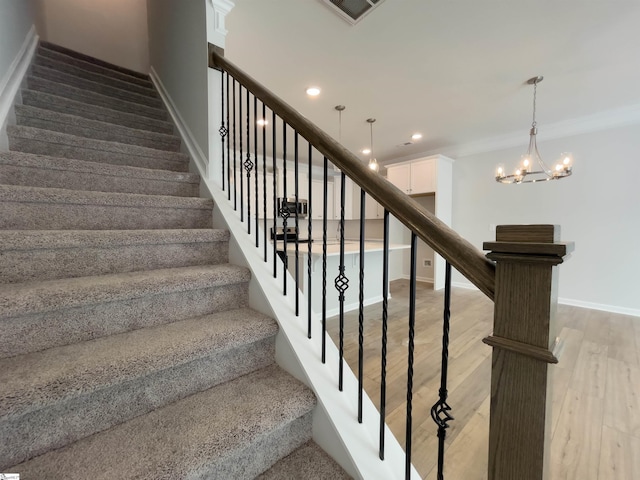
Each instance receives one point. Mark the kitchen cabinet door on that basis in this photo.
(400, 176)
(423, 177)
(317, 200)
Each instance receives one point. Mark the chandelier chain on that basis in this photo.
(535, 91)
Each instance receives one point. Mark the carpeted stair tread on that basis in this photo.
(35, 297)
(58, 76)
(37, 255)
(47, 142)
(98, 130)
(11, 193)
(309, 462)
(39, 379)
(70, 106)
(62, 239)
(117, 378)
(234, 430)
(93, 98)
(78, 71)
(51, 47)
(27, 169)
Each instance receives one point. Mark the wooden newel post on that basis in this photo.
(523, 342)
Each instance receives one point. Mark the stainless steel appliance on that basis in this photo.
(295, 208)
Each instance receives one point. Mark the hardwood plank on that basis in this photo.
(619, 458)
(589, 376)
(622, 403)
(575, 445)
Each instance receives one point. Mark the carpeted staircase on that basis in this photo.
(127, 348)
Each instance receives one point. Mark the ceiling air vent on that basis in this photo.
(352, 10)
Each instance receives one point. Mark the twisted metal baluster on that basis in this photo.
(341, 281)
(297, 220)
(412, 327)
(264, 179)
(275, 203)
(223, 129)
(228, 148)
(255, 159)
(235, 167)
(310, 241)
(361, 308)
(385, 296)
(241, 152)
(440, 410)
(284, 210)
(324, 264)
(248, 165)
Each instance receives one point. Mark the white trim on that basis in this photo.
(634, 312)
(355, 305)
(619, 117)
(188, 138)
(420, 279)
(10, 83)
(600, 306)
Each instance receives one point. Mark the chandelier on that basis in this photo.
(532, 169)
(373, 163)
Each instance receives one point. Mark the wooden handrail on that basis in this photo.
(466, 258)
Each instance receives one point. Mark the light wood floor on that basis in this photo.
(596, 385)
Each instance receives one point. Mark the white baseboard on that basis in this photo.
(353, 306)
(196, 153)
(575, 303)
(599, 306)
(10, 83)
(420, 279)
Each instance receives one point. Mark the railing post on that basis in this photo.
(523, 342)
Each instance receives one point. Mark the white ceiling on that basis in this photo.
(453, 70)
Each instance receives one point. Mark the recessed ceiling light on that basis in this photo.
(366, 151)
(262, 122)
(313, 91)
(416, 136)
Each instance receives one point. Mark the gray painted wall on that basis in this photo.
(598, 208)
(16, 18)
(178, 53)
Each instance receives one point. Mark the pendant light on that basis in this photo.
(373, 163)
(532, 169)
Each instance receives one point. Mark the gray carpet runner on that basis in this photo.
(127, 346)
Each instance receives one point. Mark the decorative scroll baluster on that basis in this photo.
(310, 242)
(385, 296)
(255, 159)
(324, 262)
(235, 167)
(440, 410)
(341, 282)
(284, 211)
(228, 147)
(412, 326)
(264, 178)
(275, 203)
(361, 308)
(248, 166)
(223, 129)
(297, 220)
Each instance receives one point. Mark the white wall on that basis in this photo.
(111, 30)
(178, 53)
(598, 208)
(17, 17)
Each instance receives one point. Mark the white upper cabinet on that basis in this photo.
(414, 177)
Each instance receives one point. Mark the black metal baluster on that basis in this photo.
(412, 327)
(361, 307)
(228, 147)
(223, 129)
(385, 296)
(284, 210)
(341, 282)
(235, 167)
(248, 165)
(264, 178)
(310, 241)
(297, 222)
(241, 153)
(324, 263)
(275, 203)
(440, 411)
(255, 159)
